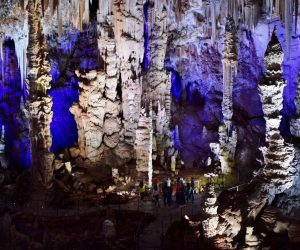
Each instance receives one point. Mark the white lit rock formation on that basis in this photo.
(144, 143)
(278, 155)
(210, 223)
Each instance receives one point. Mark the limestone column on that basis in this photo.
(278, 155)
(227, 132)
(39, 103)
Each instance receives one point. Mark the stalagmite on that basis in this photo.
(150, 147)
(278, 155)
(143, 144)
(276, 175)
(210, 208)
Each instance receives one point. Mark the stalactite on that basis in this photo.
(233, 10)
(59, 19)
(130, 6)
(46, 4)
(81, 11)
(229, 62)
(86, 13)
(1, 48)
(21, 45)
(213, 20)
(288, 20)
(104, 9)
(296, 14)
(250, 14)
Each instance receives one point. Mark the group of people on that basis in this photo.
(184, 192)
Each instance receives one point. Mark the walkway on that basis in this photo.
(150, 237)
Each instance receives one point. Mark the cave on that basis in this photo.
(149, 124)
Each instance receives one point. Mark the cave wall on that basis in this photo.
(106, 60)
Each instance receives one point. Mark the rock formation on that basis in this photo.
(143, 143)
(275, 177)
(295, 122)
(156, 80)
(278, 155)
(227, 131)
(210, 208)
(39, 103)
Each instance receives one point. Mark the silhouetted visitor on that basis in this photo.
(188, 192)
(155, 195)
(165, 191)
(192, 191)
(142, 190)
(177, 192)
(182, 193)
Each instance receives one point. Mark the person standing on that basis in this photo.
(155, 195)
(165, 192)
(188, 192)
(142, 190)
(192, 190)
(177, 192)
(182, 192)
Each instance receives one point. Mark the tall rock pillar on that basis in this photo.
(39, 103)
(227, 132)
(277, 154)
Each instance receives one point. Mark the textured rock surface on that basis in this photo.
(276, 176)
(39, 103)
(278, 155)
(210, 210)
(295, 122)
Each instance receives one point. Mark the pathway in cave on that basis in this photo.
(151, 236)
